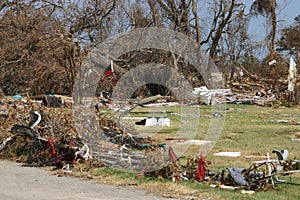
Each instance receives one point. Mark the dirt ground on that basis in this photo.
(25, 183)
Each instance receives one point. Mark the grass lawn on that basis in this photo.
(246, 130)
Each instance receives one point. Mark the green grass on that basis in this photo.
(246, 130)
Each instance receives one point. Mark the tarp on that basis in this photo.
(237, 176)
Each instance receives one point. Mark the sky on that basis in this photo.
(287, 10)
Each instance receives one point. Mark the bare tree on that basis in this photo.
(3, 4)
(51, 38)
(267, 8)
(223, 13)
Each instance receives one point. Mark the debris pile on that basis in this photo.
(45, 136)
(213, 96)
(39, 136)
(259, 176)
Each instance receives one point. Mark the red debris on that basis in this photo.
(108, 73)
(52, 151)
(200, 172)
(172, 156)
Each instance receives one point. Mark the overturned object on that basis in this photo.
(51, 101)
(155, 121)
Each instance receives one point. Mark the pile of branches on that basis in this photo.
(51, 141)
(55, 140)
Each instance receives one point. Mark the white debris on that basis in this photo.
(83, 152)
(161, 104)
(194, 142)
(66, 168)
(151, 121)
(228, 154)
(158, 121)
(206, 95)
(163, 121)
(5, 142)
(272, 62)
(37, 121)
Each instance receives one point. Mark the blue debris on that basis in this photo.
(17, 96)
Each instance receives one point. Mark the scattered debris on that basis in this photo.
(215, 114)
(255, 156)
(226, 187)
(260, 97)
(283, 121)
(261, 175)
(193, 142)
(296, 136)
(161, 104)
(228, 154)
(3, 112)
(83, 152)
(47, 136)
(249, 192)
(66, 168)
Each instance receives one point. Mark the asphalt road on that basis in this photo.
(24, 183)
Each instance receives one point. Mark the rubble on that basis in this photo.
(217, 96)
(206, 95)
